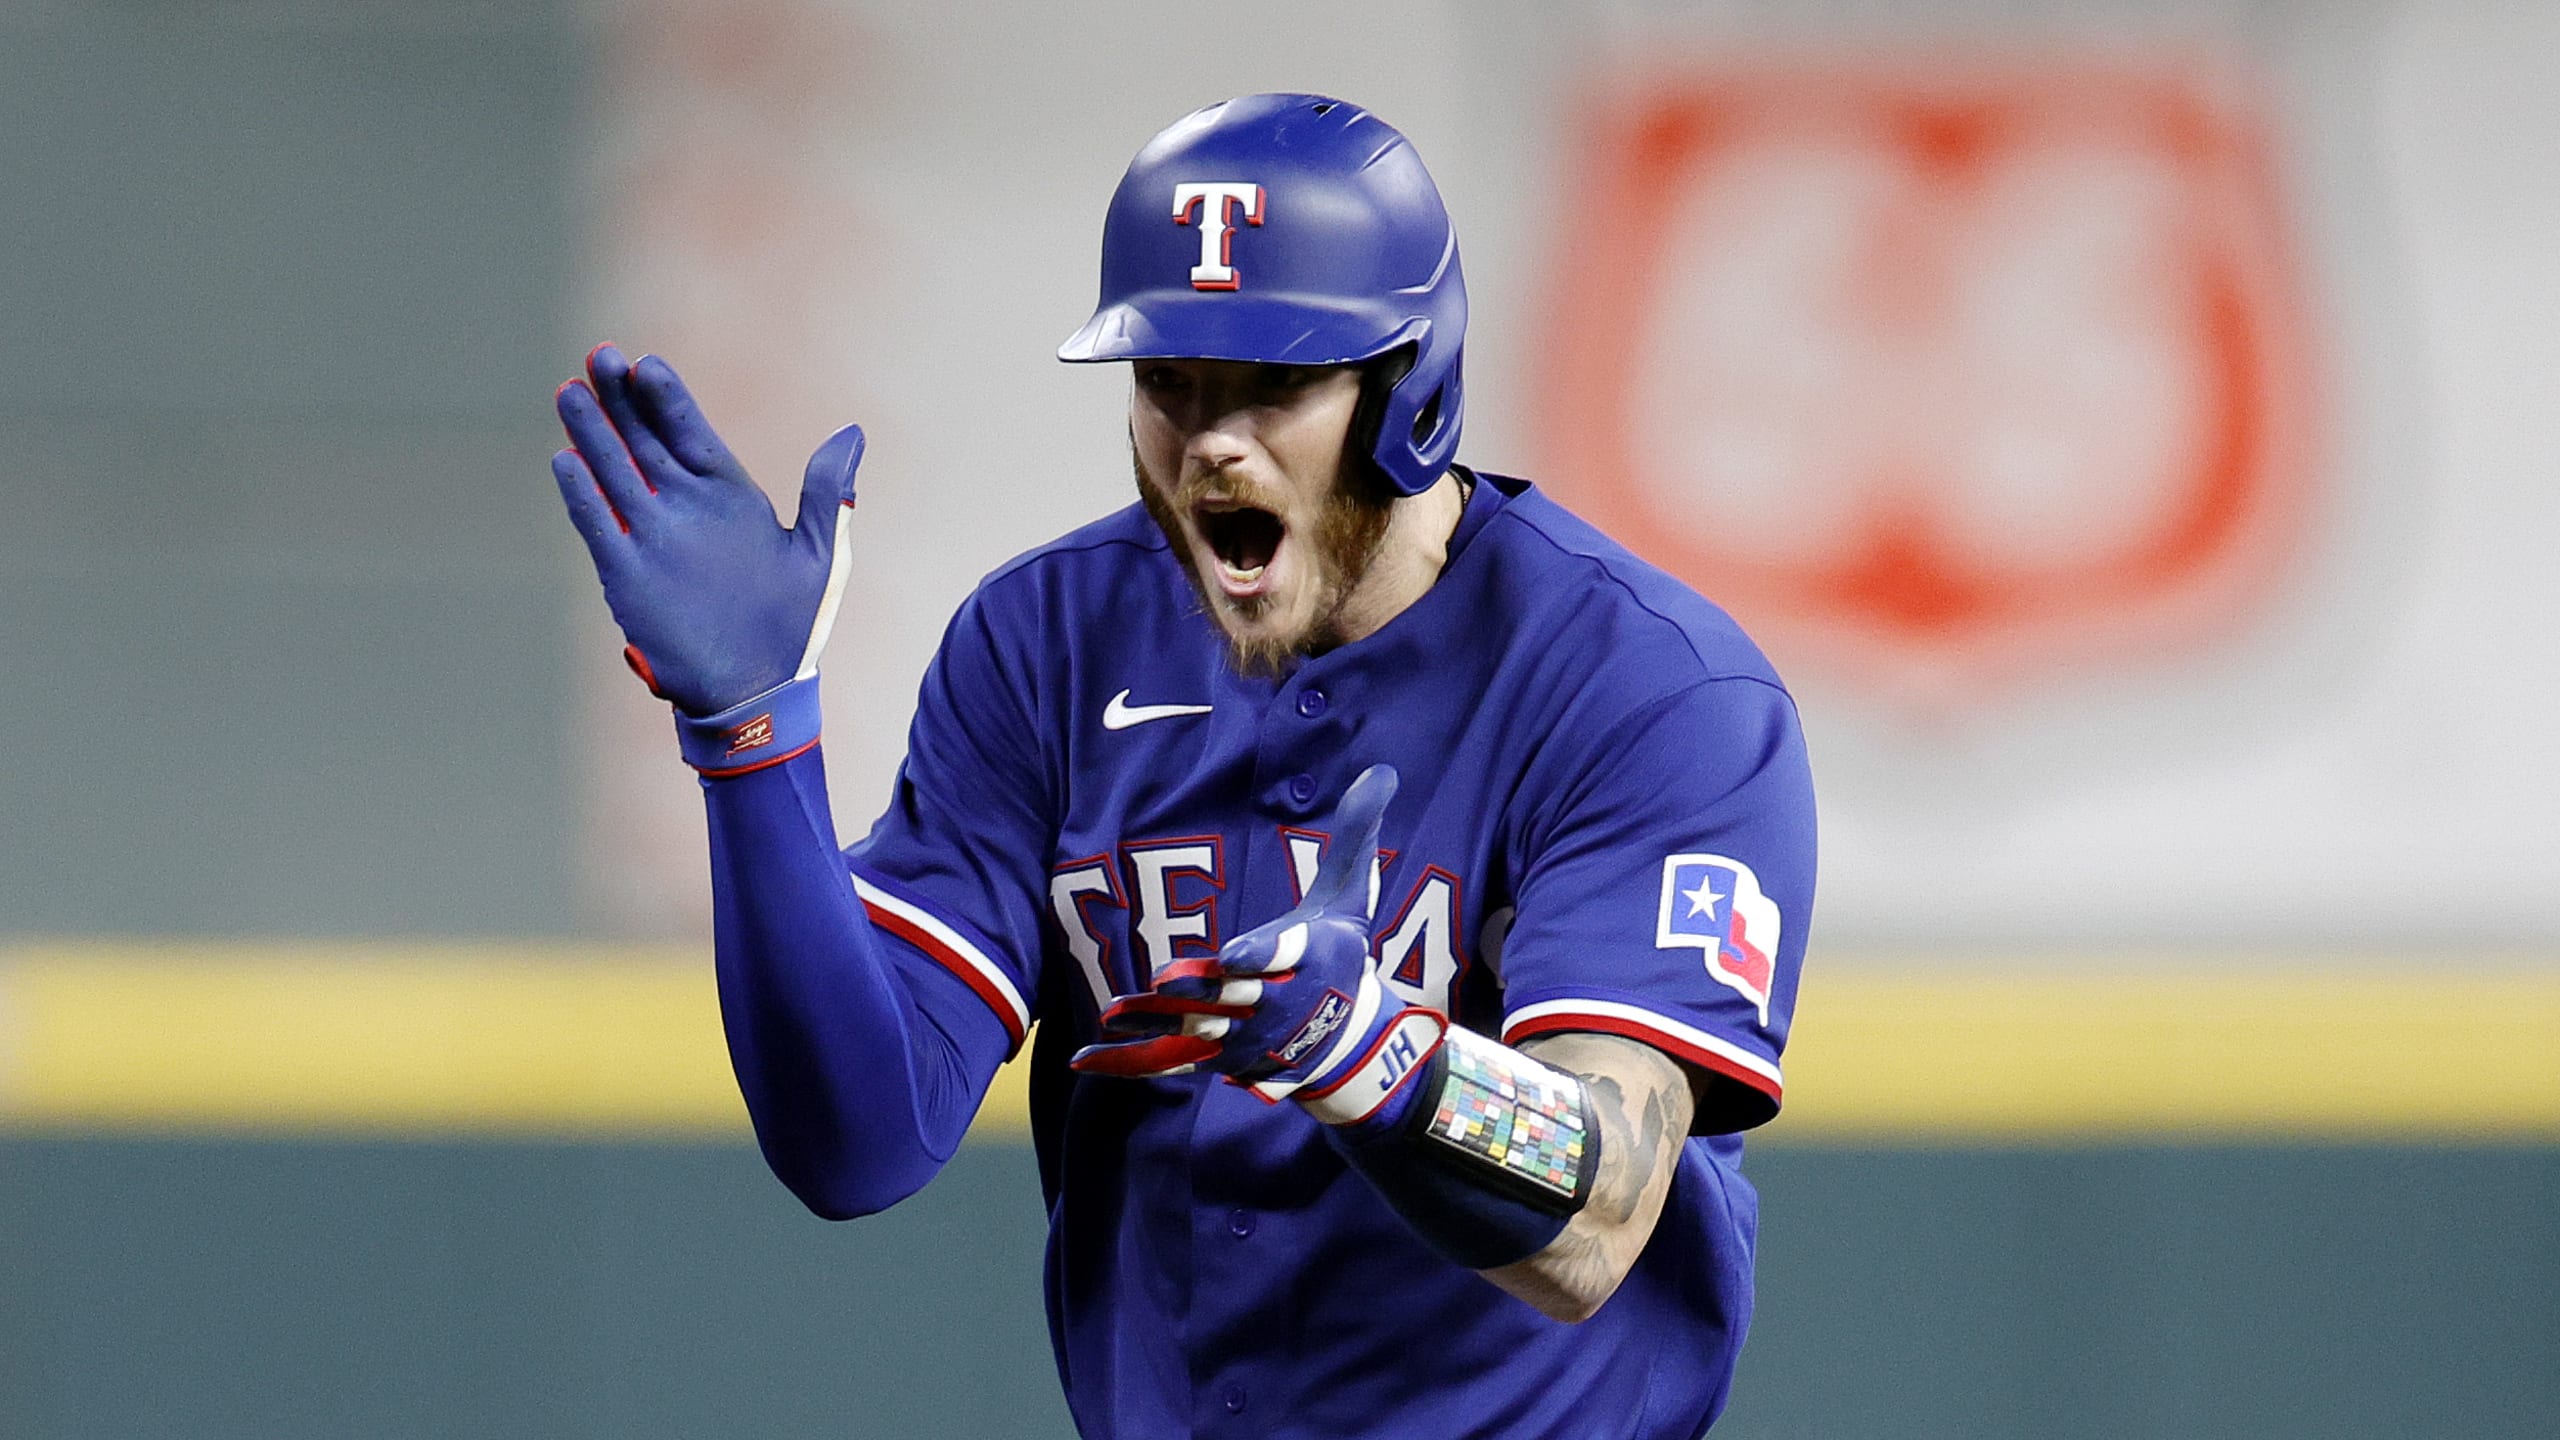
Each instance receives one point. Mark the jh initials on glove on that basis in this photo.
(1293, 1008)
(720, 604)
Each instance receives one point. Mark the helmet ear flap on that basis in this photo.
(1425, 423)
(1378, 380)
(1407, 455)
(1435, 425)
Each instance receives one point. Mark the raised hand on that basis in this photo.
(718, 602)
(1284, 1005)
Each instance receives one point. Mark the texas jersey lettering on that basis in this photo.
(1124, 917)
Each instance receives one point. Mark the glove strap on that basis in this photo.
(767, 730)
(1379, 1079)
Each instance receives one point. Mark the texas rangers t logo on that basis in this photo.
(1216, 201)
(1715, 904)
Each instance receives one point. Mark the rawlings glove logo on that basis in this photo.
(754, 735)
(1331, 1011)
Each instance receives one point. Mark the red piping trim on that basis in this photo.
(942, 955)
(1658, 1039)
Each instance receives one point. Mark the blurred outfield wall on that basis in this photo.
(2126, 423)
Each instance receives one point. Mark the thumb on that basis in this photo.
(827, 487)
(826, 492)
(1342, 884)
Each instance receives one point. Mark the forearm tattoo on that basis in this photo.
(1642, 1103)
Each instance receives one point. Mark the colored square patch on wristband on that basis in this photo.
(1506, 1108)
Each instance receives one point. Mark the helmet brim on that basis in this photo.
(1270, 328)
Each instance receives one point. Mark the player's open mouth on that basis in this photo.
(1243, 538)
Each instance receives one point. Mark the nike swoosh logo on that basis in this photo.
(1120, 714)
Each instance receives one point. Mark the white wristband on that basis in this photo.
(1390, 1063)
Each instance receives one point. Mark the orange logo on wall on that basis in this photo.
(1934, 372)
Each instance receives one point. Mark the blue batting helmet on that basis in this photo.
(1292, 230)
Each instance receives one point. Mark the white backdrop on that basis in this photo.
(890, 213)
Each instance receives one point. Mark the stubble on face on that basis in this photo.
(1351, 526)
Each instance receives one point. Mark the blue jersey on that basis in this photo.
(1605, 824)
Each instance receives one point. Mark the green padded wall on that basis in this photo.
(286, 1290)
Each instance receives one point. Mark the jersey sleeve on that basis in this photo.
(954, 869)
(1665, 889)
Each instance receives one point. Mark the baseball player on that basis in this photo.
(1406, 882)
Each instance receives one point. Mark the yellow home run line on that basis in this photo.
(624, 1043)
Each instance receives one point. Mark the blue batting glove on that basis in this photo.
(720, 604)
(1294, 1008)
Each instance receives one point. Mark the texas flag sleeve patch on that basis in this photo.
(1714, 904)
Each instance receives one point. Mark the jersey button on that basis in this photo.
(1311, 703)
(1235, 1399)
(1239, 1223)
(1302, 788)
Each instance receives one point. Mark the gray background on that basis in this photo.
(284, 605)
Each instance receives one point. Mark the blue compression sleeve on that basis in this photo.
(861, 1063)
